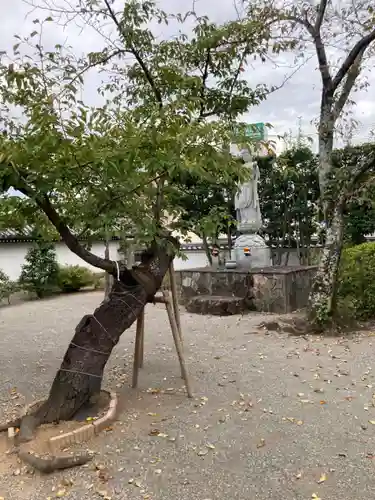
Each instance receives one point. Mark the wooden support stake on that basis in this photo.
(138, 348)
(141, 354)
(176, 306)
(176, 338)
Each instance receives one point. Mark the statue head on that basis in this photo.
(246, 156)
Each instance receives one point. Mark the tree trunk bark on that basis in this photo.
(207, 249)
(80, 375)
(323, 293)
(326, 129)
(108, 277)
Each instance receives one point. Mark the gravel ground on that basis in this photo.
(274, 417)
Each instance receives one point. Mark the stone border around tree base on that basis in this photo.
(87, 431)
(80, 435)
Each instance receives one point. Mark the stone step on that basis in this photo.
(217, 305)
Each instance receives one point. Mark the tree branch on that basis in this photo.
(323, 61)
(321, 13)
(359, 47)
(203, 86)
(104, 60)
(68, 237)
(364, 167)
(137, 56)
(215, 111)
(117, 197)
(351, 77)
(314, 32)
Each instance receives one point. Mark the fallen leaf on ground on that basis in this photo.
(372, 422)
(103, 494)
(154, 432)
(60, 493)
(202, 452)
(104, 475)
(210, 446)
(261, 443)
(153, 390)
(322, 478)
(323, 402)
(315, 496)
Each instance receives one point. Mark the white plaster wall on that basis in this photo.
(12, 256)
(195, 259)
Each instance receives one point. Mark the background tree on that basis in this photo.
(288, 196)
(94, 167)
(351, 28)
(359, 212)
(205, 208)
(39, 273)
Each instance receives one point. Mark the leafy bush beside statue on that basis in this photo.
(356, 291)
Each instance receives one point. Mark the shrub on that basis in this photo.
(7, 287)
(40, 270)
(73, 278)
(357, 280)
(99, 281)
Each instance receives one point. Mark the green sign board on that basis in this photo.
(256, 131)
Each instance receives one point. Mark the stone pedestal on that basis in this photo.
(260, 253)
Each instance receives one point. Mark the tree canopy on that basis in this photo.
(169, 107)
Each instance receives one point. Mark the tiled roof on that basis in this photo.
(10, 235)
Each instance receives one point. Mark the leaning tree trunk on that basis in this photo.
(323, 293)
(108, 278)
(80, 374)
(207, 250)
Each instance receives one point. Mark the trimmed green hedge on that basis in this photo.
(73, 278)
(7, 287)
(356, 291)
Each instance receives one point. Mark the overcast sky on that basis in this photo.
(298, 98)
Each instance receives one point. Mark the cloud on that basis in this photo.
(295, 105)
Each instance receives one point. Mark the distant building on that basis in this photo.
(15, 244)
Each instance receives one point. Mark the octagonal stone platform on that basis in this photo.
(274, 289)
(217, 305)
